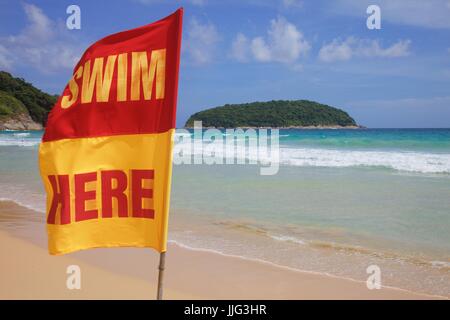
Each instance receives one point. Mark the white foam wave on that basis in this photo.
(401, 161)
(287, 239)
(416, 162)
(23, 204)
(7, 142)
(19, 139)
(21, 134)
(440, 264)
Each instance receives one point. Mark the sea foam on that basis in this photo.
(397, 160)
(6, 142)
(406, 161)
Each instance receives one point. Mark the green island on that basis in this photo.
(275, 114)
(22, 106)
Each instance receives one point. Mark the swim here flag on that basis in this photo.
(106, 154)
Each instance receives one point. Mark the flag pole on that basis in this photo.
(162, 262)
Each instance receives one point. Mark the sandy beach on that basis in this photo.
(288, 150)
(29, 272)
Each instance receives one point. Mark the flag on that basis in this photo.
(106, 154)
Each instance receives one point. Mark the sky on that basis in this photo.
(236, 51)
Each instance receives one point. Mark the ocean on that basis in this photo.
(342, 200)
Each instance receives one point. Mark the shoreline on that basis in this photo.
(315, 273)
(244, 127)
(286, 128)
(192, 273)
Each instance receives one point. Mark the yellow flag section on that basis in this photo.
(106, 154)
(95, 204)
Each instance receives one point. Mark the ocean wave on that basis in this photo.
(293, 269)
(21, 134)
(19, 139)
(287, 239)
(401, 161)
(8, 142)
(407, 161)
(22, 204)
(259, 260)
(242, 226)
(441, 264)
(326, 245)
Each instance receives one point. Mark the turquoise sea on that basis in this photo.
(341, 201)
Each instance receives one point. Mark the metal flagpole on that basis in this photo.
(162, 261)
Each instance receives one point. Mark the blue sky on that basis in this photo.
(242, 51)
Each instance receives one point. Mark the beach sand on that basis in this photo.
(28, 272)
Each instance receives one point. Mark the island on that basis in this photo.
(22, 106)
(274, 114)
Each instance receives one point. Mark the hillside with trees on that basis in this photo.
(22, 106)
(279, 114)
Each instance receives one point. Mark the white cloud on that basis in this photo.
(201, 40)
(261, 52)
(6, 61)
(343, 50)
(398, 49)
(42, 44)
(239, 48)
(428, 14)
(284, 43)
(336, 51)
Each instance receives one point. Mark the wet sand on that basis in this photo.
(27, 271)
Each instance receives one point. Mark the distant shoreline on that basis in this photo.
(282, 128)
(246, 127)
(285, 128)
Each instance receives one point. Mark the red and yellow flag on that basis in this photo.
(106, 154)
